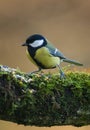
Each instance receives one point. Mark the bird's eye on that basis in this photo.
(37, 43)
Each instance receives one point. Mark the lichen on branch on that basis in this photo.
(44, 100)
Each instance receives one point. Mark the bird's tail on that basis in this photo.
(72, 62)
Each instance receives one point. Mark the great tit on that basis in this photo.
(44, 55)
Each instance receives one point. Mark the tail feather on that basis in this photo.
(72, 62)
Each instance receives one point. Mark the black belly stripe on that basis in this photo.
(32, 54)
(42, 66)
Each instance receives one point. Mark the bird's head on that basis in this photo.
(35, 41)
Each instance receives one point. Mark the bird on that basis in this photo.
(44, 54)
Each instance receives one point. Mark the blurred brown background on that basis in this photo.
(66, 23)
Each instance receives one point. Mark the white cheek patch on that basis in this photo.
(37, 43)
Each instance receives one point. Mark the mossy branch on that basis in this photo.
(44, 100)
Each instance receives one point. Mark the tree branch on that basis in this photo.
(44, 100)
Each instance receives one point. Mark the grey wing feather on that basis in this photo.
(54, 51)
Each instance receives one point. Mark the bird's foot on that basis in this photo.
(34, 72)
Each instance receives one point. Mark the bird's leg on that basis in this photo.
(39, 69)
(62, 75)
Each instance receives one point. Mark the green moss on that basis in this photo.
(45, 100)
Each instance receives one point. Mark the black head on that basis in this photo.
(35, 41)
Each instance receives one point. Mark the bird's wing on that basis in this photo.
(54, 51)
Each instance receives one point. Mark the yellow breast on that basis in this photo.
(46, 59)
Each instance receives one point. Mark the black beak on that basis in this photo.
(24, 44)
